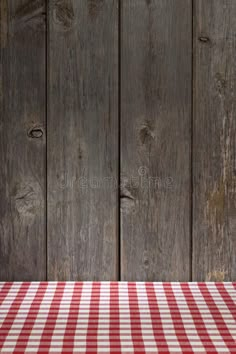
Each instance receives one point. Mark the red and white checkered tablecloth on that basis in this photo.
(117, 317)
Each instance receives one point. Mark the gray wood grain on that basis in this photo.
(155, 139)
(214, 141)
(22, 140)
(83, 140)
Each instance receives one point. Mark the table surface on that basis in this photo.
(117, 317)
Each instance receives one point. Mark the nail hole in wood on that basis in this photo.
(35, 133)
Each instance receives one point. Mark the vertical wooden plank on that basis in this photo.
(83, 140)
(22, 140)
(214, 143)
(155, 139)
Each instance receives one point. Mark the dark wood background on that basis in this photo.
(118, 140)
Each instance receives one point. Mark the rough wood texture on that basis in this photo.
(83, 140)
(214, 142)
(22, 154)
(155, 139)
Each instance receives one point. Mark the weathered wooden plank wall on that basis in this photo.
(96, 92)
(214, 141)
(22, 140)
(83, 140)
(156, 66)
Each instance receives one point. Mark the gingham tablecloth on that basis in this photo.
(117, 317)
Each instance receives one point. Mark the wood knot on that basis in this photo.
(146, 134)
(220, 83)
(204, 39)
(94, 7)
(63, 15)
(127, 201)
(127, 204)
(27, 198)
(35, 133)
(145, 259)
(31, 14)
